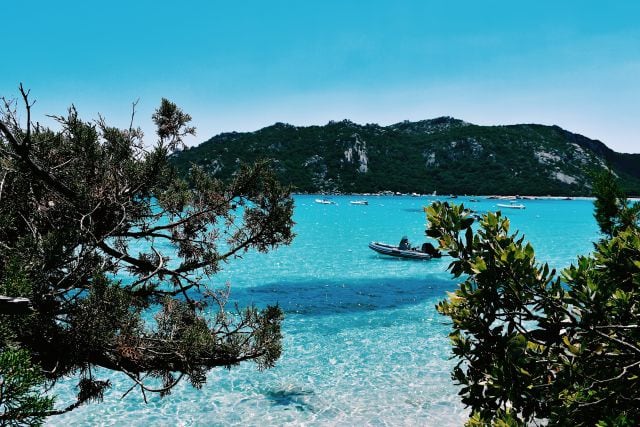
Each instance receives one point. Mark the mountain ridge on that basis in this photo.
(444, 154)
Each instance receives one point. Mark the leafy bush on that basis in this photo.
(535, 345)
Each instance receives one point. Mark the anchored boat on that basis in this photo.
(325, 202)
(512, 205)
(395, 251)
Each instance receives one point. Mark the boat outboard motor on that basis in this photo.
(428, 248)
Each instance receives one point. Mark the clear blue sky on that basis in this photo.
(242, 65)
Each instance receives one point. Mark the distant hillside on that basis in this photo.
(444, 154)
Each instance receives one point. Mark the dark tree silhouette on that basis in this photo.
(81, 205)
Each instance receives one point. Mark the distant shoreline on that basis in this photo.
(449, 197)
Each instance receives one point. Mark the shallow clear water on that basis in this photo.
(363, 344)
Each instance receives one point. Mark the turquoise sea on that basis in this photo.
(363, 344)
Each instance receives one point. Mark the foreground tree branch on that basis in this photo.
(82, 210)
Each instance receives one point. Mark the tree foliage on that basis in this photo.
(612, 211)
(536, 346)
(20, 385)
(101, 235)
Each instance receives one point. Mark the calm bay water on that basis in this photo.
(363, 343)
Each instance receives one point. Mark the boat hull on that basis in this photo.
(394, 251)
(502, 205)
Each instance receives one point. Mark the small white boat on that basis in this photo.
(511, 205)
(325, 202)
(359, 202)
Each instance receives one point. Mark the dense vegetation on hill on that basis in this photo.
(444, 155)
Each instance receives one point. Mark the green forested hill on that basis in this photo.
(443, 154)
